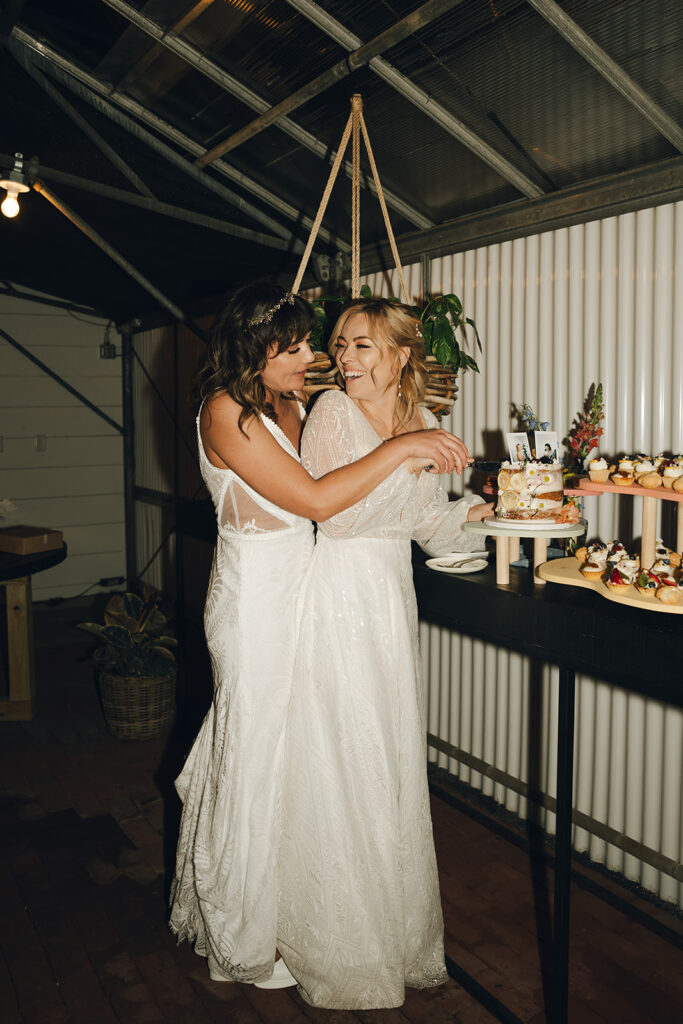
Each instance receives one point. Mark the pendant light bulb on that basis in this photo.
(10, 204)
(16, 182)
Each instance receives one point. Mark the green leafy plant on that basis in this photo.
(135, 638)
(442, 319)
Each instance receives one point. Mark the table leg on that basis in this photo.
(540, 556)
(649, 532)
(502, 560)
(563, 846)
(514, 549)
(19, 707)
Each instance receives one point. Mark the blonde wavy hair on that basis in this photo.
(395, 326)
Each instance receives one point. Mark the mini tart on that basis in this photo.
(677, 485)
(617, 582)
(591, 570)
(649, 480)
(647, 582)
(581, 554)
(675, 559)
(668, 595)
(622, 479)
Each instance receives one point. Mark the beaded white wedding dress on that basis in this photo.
(224, 896)
(360, 913)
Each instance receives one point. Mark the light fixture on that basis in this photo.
(15, 184)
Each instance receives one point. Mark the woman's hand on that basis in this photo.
(479, 512)
(435, 450)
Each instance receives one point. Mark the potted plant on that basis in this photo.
(442, 321)
(137, 668)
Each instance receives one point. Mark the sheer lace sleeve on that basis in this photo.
(334, 437)
(439, 530)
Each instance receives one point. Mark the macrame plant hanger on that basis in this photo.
(355, 126)
(441, 385)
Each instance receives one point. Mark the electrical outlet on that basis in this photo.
(41, 443)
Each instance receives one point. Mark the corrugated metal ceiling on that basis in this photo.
(496, 65)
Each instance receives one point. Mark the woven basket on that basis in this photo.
(137, 707)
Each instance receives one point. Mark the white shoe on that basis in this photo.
(280, 978)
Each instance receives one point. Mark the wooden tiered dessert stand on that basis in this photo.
(566, 570)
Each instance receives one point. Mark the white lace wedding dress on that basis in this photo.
(360, 913)
(224, 896)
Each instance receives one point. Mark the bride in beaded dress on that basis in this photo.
(224, 894)
(360, 912)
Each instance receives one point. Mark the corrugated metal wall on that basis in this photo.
(557, 312)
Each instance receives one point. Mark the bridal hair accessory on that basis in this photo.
(418, 331)
(266, 317)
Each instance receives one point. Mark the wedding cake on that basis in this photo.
(529, 490)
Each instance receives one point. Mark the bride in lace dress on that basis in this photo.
(360, 913)
(224, 895)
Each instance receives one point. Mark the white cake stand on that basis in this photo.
(507, 541)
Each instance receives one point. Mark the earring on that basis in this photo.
(400, 376)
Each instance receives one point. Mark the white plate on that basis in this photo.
(524, 524)
(442, 564)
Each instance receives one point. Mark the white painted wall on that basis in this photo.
(76, 484)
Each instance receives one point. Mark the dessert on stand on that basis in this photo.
(651, 578)
(531, 499)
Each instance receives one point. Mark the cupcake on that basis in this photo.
(642, 466)
(670, 471)
(598, 471)
(626, 465)
(617, 582)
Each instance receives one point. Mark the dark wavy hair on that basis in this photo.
(236, 354)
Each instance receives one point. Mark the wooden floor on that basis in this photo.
(87, 830)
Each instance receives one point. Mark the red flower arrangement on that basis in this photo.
(583, 437)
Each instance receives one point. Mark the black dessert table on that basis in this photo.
(15, 576)
(579, 632)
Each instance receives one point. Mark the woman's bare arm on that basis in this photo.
(266, 467)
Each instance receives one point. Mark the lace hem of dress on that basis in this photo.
(187, 925)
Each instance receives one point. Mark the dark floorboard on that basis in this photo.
(87, 835)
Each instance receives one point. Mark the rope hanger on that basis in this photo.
(355, 126)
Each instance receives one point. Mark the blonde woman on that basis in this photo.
(360, 913)
(224, 895)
